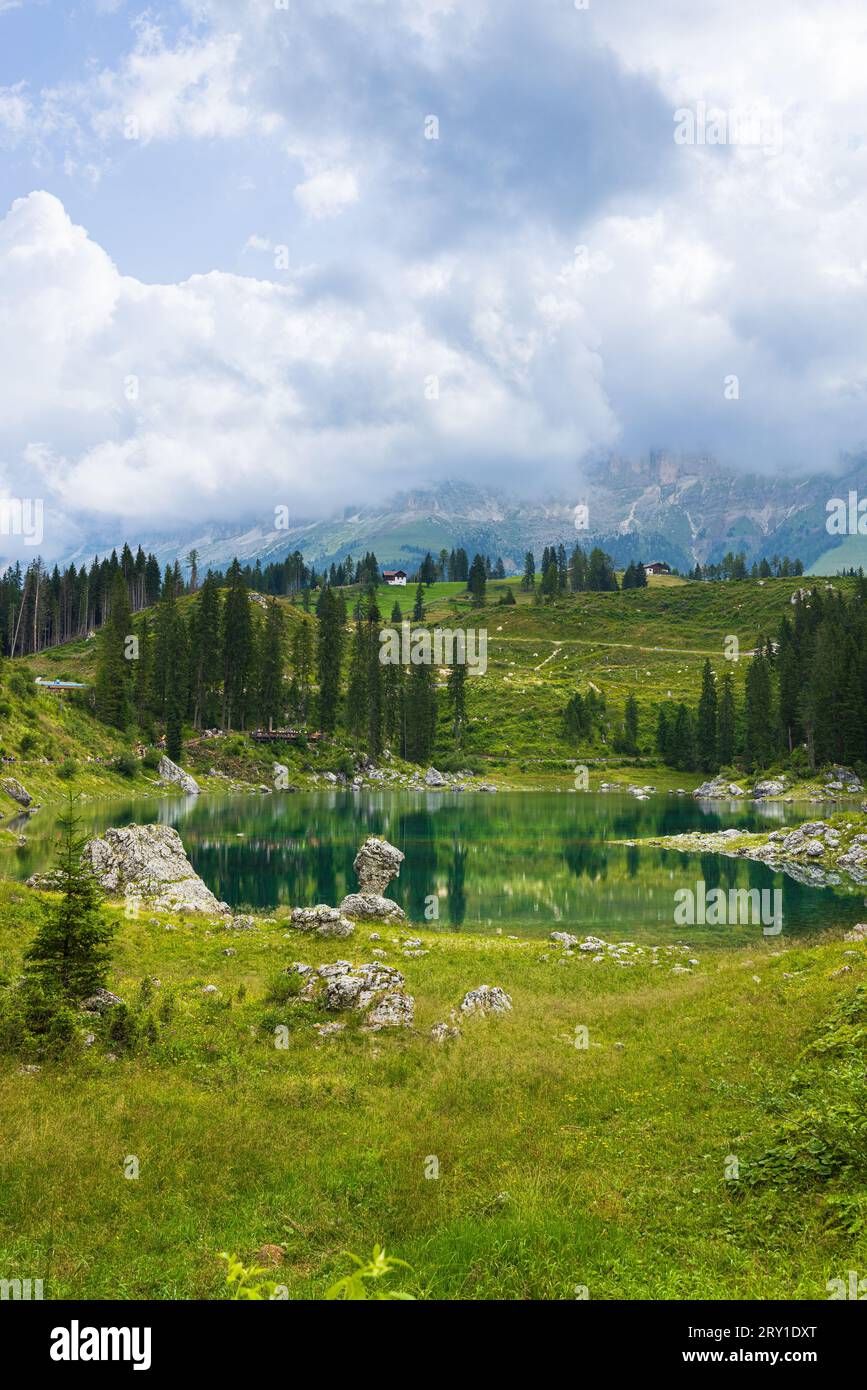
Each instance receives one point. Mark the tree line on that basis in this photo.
(804, 696)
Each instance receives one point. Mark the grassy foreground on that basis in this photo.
(560, 1168)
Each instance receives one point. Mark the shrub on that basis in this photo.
(68, 769)
(37, 1022)
(151, 760)
(27, 744)
(282, 987)
(126, 764)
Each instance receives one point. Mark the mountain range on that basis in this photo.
(661, 507)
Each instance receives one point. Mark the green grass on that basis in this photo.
(652, 642)
(557, 1167)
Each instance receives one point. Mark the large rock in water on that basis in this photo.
(176, 777)
(376, 863)
(12, 787)
(149, 861)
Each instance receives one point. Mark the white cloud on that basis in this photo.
(328, 193)
(224, 395)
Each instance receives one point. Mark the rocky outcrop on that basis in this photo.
(717, 788)
(375, 990)
(815, 853)
(323, 920)
(432, 778)
(12, 787)
(376, 864)
(175, 776)
(100, 1002)
(149, 862)
(370, 907)
(486, 999)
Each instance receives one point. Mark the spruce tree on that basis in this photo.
(726, 722)
(706, 729)
(630, 725)
(272, 660)
(69, 952)
(758, 724)
(329, 651)
(114, 669)
(457, 688)
(373, 623)
(237, 649)
(205, 654)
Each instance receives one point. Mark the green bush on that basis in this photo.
(37, 1023)
(282, 987)
(151, 760)
(68, 769)
(126, 764)
(27, 744)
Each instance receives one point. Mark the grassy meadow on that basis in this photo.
(559, 1167)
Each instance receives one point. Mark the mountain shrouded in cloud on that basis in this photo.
(317, 256)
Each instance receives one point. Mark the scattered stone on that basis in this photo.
(444, 1032)
(100, 1002)
(209, 989)
(323, 920)
(564, 938)
(329, 1030)
(372, 908)
(175, 776)
(858, 932)
(434, 779)
(486, 999)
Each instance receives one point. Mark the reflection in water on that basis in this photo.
(523, 862)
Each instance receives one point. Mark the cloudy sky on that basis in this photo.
(256, 253)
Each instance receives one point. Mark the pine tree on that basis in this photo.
(205, 654)
(372, 622)
(630, 725)
(302, 663)
(69, 952)
(272, 659)
(114, 669)
(420, 713)
(726, 722)
(457, 688)
(757, 714)
(237, 649)
(706, 730)
(477, 580)
(418, 606)
(529, 579)
(170, 666)
(356, 690)
(328, 656)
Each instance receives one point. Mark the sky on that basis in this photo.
(308, 253)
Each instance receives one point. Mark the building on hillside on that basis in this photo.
(59, 685)
(394, 577)
(657, 567)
